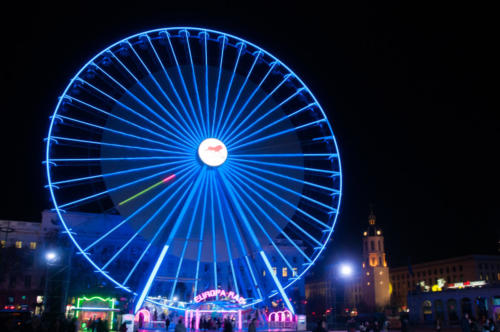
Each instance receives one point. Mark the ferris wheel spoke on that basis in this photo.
(195, 84)
(193, 189)
(258, 223)
(254, 239)
(264, 116)
(259, 105)
(71, 99)
(281, 165)
(240, 240)
(216, 97)
(139, 100)
(207, 103)
(214, 246)
(159, 87)
(158, 231)
(242, 172)
(282, 132)
(186, 241)
(229, 86)
(131, 170)
(288, 155)
(201, 237)
(243, 85)
(122, 146)
(185, 89)
(277, 185)
(243, 107)
(92, 125)
(189, 172)
(76, 160)
(124, 106)
(226, 238)
(87, 198)
(258, 131)
(178, 97)
(266, 215)
(291, 178)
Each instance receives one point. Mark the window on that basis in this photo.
(372, 245)
(294, 274)
(12, 281)
(274, 270)
(380, 260)
(27, 282)
(454, 268)
(284, 272)
(460, 268)
(368, 283)
(379, 248)
(33, 245)
(263, 273)
(19, 244)
(367, 273)
(3, 243)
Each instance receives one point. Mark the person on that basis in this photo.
(228, 326)
(438, 325)
(404, 324)
(179, 327)
(386, 325)
(465, 324)
(320, 327)
(376, 326)
(363, 327)
(123, 327)
(252, 327)
(351, 325)
(167, 323)
(489, 326)
(141, 320)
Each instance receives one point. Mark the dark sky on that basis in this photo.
(409, 92)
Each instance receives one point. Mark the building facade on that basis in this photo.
(440, 274)
(23, 265)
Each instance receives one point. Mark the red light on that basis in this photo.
(168, 178)
(467, 283)
(314, 313)
(12, 307)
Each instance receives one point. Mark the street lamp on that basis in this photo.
(51, 257)
(346, 270)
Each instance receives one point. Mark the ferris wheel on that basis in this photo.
(216, 161)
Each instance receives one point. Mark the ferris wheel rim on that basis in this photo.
(57, 108)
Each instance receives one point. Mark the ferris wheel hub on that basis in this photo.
(212, 152)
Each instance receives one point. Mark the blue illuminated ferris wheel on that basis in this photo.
(217, 164)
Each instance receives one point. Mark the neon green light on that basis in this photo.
(107, 299)
(168, 178)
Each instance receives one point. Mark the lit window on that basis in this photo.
(368, 283)
(33, 245)
(381, 273)
(381, 282)
(274, 270)
(365, 233)
(294, 274)
(367, 273)
(263, 273)
(3, 243)
(284, 272)
(379, 232)
(364, 265)
(19, 244)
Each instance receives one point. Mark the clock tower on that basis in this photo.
(374, 287)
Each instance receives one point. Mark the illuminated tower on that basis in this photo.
(375, 294)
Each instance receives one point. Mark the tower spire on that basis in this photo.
(371, 216)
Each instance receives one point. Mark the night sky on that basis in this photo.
(409, 93)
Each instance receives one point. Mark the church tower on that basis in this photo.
(374, 281)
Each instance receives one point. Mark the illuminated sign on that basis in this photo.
(220, 293)
(466, 284)
(212, 152)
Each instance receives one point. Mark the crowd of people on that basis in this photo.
(470, 324)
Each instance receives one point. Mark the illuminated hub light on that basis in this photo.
(219, 293)
(212, 152)
(168, 178)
